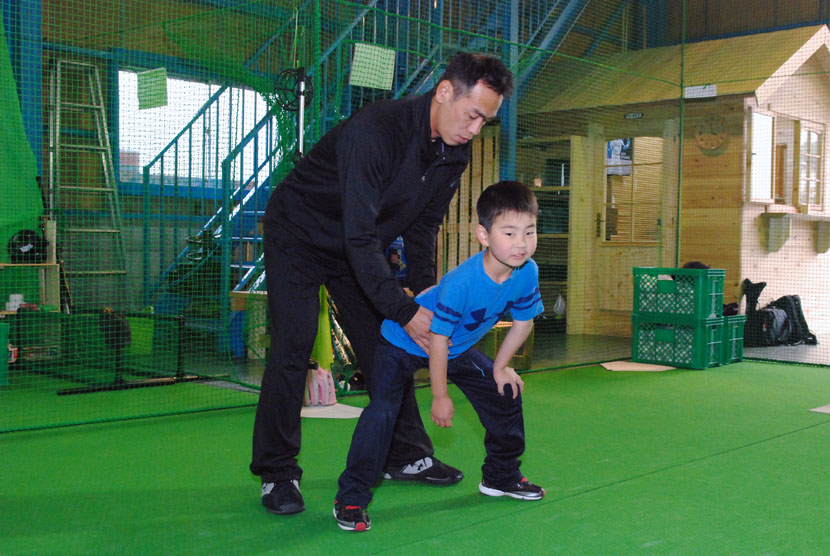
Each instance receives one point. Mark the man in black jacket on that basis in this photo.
(390, 170)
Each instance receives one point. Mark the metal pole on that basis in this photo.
(301, 118)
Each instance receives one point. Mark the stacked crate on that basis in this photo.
(677, 319)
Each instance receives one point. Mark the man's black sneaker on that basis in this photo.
(427, 470)
(523, 490)
(282, 497)
(351, 518)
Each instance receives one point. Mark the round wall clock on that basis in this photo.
(710, 132)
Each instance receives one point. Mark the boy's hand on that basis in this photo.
(507, 375)
(442, 411)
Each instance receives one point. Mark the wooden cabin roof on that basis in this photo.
(751, 64)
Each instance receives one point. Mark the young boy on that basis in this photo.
(466, 304)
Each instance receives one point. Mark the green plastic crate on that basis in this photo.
(680, 342)
(733, 338)
(692, 292)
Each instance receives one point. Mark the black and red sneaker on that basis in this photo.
(523, 490)
(351, 518)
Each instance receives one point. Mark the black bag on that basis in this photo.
(764, 327)
(799, 331)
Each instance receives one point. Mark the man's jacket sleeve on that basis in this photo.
(363, 165)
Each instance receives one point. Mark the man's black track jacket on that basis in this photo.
(372, 178)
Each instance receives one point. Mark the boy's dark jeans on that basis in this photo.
(472, 372)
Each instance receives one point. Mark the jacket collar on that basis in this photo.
(431, 149)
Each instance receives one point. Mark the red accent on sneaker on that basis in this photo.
(352, 507)
(359, 526)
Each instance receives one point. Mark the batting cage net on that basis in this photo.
(677, 151)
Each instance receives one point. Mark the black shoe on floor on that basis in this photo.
(351, 518)
(282, 497)
(523, 490)
(427, 470)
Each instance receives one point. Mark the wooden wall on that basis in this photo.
(458, 242)
(149, 26)
(717, 18)
(712, 192)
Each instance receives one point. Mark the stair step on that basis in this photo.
(83, 148)
(80, 107)
(92, 230)
(84, 65)
(87, 189)
(109, 272)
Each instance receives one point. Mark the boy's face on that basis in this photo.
(511, 239)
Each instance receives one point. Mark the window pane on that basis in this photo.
(761, 156)
(144, 133)
(623, 222)
(648, 150)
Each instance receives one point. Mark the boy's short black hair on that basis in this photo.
(465, 70)
(502, 197)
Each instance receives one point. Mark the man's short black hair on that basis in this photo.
(502, 197)
(465, 70)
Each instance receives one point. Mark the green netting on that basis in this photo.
(21, 206)
(236, 45)
(654, 134)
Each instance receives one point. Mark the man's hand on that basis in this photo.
(418, 328)
(442, 411)
(507, 375)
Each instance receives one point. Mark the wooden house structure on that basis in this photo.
(729, 166)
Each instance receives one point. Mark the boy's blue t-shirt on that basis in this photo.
(467, 303)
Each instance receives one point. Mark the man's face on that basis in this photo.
(456, 119)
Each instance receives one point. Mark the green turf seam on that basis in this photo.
(125, 418)
(695, 460)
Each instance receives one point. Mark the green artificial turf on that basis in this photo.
(724, 461)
